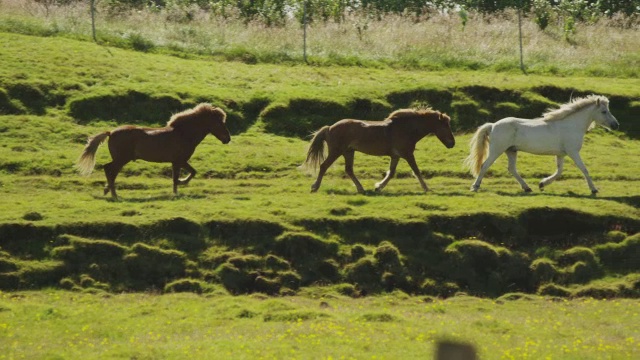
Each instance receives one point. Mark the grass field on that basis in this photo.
(55, 324)
(334, 274)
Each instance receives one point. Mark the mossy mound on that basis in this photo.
(623, 256)
(484, 269)
(152, 266)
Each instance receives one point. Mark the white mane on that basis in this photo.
(574, 105)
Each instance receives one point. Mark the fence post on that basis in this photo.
(520, 35)
(93, 20)
(304, 23)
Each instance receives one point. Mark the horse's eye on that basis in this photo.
(604, 112)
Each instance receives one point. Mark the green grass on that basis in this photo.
(322, 324)
(228, 227)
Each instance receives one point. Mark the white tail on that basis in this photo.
(479, 145)
(87, 160)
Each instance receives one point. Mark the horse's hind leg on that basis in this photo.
(493, 156)
(548, 180)
(192, 173)
(111, 171)
(513, 156)
(348, 168)
(331, 158)
(390, 173)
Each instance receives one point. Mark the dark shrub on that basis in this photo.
(235, 280)
(364, 274)
(543, 271)
(290, 279)
(486, 269)
(387, 256)
(554, 290)
(300, 246)
(347, 290)
(185, 285)
(268, 286)
(621, 256)
(152, 266)
(357, 252)
(276, 263)
(577, 254)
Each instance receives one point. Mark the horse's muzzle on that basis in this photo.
(451, 144)
(615, 126)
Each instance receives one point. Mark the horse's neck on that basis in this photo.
(193, 135)
(581, 119)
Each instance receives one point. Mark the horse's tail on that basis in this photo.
(87, 160)
(315, 154)
(479, 148)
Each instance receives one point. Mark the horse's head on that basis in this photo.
(602, 116)
(443, 130)
(218, 126)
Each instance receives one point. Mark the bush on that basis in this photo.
(152, 266)
(235, 280)
(290, 279)
(543, 271)
(185, 285)
(268, 286)
(621, 256)
(357, 252)
(486, 269)
(347, 290)
(364, 274)
(276, 263)
(554, 290)
(299, 247)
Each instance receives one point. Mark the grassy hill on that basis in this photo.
(250, 204)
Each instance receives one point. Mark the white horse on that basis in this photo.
(558, 132)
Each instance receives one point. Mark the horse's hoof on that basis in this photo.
(527, 190)
(474, 188)
(594, 192)
(541, 186)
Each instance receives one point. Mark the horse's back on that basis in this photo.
(534, 136)
(369, 137)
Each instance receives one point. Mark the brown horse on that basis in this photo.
(395, 136)
(174, 143)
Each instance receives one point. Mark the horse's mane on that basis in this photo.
(190, 114)
(572, 106)
(412, 113)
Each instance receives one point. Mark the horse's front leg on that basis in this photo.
(575, 156)
(548, 180)
(414, 167)
(390, 173)
(175, 167)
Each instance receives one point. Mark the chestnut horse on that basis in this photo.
(395, 136)
(174, 143)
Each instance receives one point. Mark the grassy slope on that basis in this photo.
(255, 177)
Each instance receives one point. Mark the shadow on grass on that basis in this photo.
(154, 198)
(633, 200)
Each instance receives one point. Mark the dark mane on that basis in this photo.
(195, 113)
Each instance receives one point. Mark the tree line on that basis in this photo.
(277, 12)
